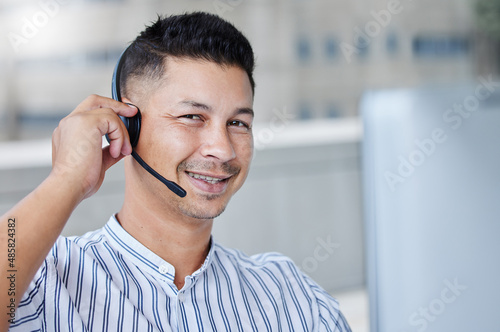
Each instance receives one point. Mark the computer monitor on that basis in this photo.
(431, 181)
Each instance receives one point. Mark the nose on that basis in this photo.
(216, 143)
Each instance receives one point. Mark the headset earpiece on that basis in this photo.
(133, 126)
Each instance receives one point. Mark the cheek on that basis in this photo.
(244, 149)
(171, 145)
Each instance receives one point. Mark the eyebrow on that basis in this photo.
(195, 104)
(191, 103)
(245, 110)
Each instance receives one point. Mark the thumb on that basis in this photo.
(108, 160)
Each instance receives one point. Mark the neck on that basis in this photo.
(180, 240)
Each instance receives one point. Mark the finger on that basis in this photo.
(108, 160)
(94, 101)
(119, 141)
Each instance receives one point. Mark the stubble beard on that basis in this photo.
(198, 212)
(192, 209)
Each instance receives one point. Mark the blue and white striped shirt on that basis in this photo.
(108, 281)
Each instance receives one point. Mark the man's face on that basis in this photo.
(197, 131)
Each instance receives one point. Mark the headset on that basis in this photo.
(133, 125)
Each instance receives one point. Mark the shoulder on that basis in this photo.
(271, 264)
(276, 276)
(74, 246)
(59, 268)
(254, 261)
(272, 271)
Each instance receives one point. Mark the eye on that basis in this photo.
(238, 123)
(192, 116)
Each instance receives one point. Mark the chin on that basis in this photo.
(205, 215)
(209, 210)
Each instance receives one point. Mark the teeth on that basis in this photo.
(208, 179)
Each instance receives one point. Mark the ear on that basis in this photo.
(126, 100)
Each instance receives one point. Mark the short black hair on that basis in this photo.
(195, 35)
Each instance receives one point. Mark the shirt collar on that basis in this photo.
(143, 257)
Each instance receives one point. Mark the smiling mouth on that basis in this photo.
(205, 178)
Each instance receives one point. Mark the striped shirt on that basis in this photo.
(108, 281)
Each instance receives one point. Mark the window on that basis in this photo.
(440, 46)
(303, 49)
(305, 112)
(332, 111)
(391, 43)
(363, 49)
(331, 48)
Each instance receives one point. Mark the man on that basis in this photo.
(155, 266)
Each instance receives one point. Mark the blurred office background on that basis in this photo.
(316, 60)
